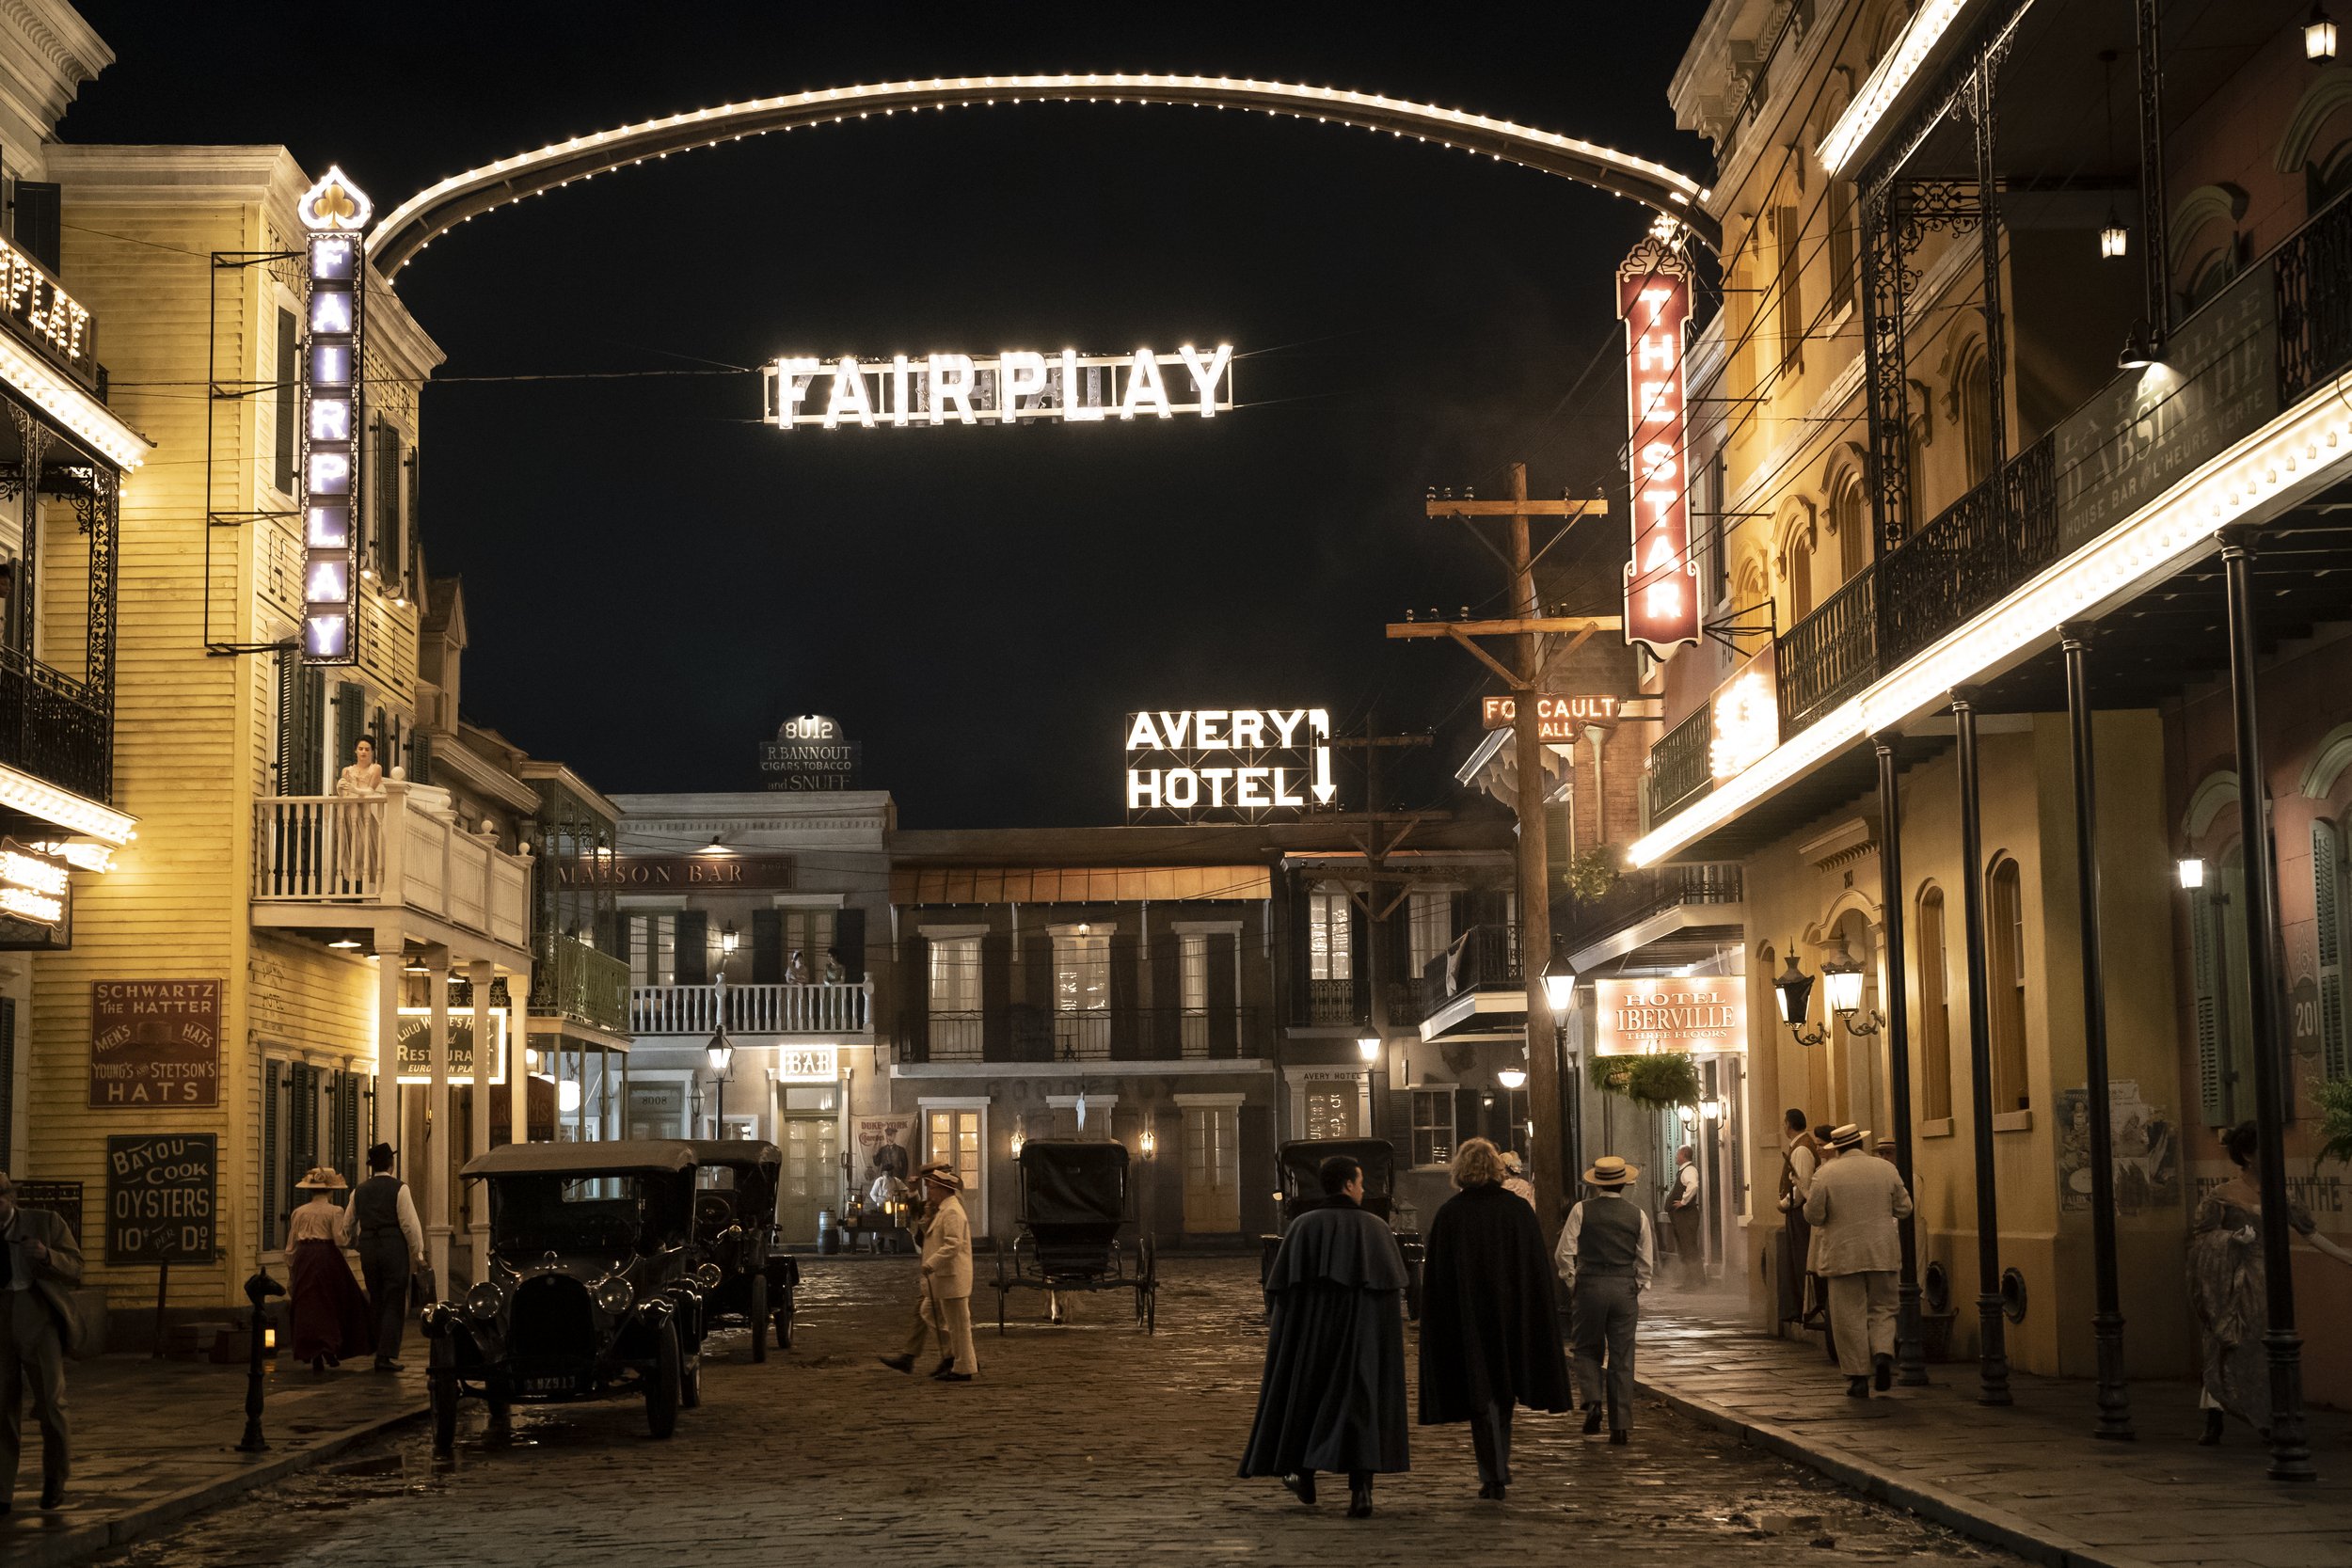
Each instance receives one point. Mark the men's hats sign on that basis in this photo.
(155, 1042)
(809, 754)
(160, 1205)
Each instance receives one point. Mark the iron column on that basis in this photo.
(1993, 1337)
(1911, 1364)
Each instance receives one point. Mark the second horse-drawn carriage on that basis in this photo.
(1075, 1198)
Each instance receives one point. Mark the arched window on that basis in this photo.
(2327, 893)
(1972, 396)
(2328, 176)
(1799, 574)
(1850, 520)
(1935, 1008)
(2005, 941)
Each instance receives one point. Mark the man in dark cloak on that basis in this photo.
(1490, 1334)
(1333, 1394)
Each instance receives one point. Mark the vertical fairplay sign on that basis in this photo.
(1661, 601)
(333, 214)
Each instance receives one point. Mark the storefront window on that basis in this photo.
(653, 949)
(1433, 1126)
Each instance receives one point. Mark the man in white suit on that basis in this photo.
(1853, 1205)
(945, 1312)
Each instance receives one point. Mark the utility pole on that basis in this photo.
(1376, 852)
(1533, 633)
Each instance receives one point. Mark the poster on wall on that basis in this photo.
(2147, 1149)
(159, 1198)
(886, 1141)
(155, 1042)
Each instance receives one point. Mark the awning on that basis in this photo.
(1072, 884)
(37, 796)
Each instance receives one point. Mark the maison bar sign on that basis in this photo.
(1015, 386)
(810, 753)
(688, 872)
(1228, 765)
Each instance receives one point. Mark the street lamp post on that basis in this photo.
(722, 1053)
(1560, 993)
(1368, 1046)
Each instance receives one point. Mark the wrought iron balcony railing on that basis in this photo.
(572, 980)
(1482, 956)
(1334, 1004)
(1638, 894)
(1679, 772)
(1020, 1033)
(819, 1007)
(54, 727)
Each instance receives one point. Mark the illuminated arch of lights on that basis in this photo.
(432, 212)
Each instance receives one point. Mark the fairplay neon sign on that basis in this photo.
(1015, 386)
(1228, 765)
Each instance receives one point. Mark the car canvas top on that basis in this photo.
(584, 1159)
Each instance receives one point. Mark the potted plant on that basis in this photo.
(1658, 1080)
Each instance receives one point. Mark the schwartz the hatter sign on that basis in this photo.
(155, 1042)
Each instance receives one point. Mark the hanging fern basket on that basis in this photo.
(1658, 1082)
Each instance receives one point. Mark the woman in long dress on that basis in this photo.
(2226, 1282)
(330, 1316)
(360, 828)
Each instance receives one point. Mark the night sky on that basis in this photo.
(654, 579)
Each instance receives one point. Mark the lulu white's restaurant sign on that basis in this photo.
(333, 212)
(1743, 719)
(1636, 1018)
(1661, 599)
(1228, 765)
(1557, 717)
(1015, 386)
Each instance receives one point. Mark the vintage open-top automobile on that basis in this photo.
(734, 1231)
(593, 1285)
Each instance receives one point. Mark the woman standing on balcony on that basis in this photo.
(359, 826)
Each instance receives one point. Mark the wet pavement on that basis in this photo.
(1084, 1444)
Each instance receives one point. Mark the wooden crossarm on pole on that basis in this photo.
(1572, 624)
(1584, 508)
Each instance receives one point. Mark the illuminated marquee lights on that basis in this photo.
(1017, 385)
(1661, 599)
(333, 212)
(32, 887)
(1885, 85)
(1238, 765)
(79, 853)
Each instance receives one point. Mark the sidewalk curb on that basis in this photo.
(80, 1543)
(1996, 1527)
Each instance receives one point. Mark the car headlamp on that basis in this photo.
(614, 1294)
(708, 1277)
(484, 1300)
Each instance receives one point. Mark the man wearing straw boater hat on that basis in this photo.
(1853, 1205)
(946, 1310)
(1607, 1255)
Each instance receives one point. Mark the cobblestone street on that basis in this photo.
(1089, 1444)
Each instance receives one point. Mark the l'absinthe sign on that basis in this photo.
(1661, 599)
(1014, 387)
(1228, 765)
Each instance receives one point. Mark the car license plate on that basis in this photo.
(547, 1386)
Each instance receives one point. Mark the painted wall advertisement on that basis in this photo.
(155, 1042)
(1672, 1013)
(2147, 1149)
(160, 1204)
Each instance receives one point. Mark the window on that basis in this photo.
(652, 949)
(1433, 1126)
(1851, 521)
(1973, 388)
(2005, 935)
(1082, 971)
(955, 975)
(1844, 220)
(1330, 935)
(810, 933)
(952, 1137)
(1192, 989)
(1212, 1169)
(1799, 576)
(1788, 229)
(1429, 928)
(1935, 1009)
(2327, 906)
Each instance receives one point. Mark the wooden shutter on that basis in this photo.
(284, 403)
(1360, 939)
(421, 758)
(619, 927)
(849, 942)
(694, 947)
(2205, 967)
(2328, 901)
(915, 1012)
(997, 1041)
(412, 569)
(1788, 229)
(273, 1151)
(309, 776)
(345, 1135)
(1126, 957)
(1300, 968)
(766, 948)
(1224, 1006)
(8, 1081)
(1167, 997)
(392, 550)
(286, 766)
(302, 1121)
(350, 723)
(41, 221)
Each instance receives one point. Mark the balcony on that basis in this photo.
(1475, 990)
(398, 859)
(1331, 1005)
(571, 980)
(1099, 1035)
(1670, 915)
(54, 727)
(819, 1010)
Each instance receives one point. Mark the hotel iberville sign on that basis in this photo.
(1228, 764)
(155, 1042)
(1634, 1018)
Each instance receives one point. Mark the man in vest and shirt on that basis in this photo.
(945, 1312)
(39, 1263)
(392, 1249)
(1607, 1254)
(1800, 1157)
(1853, 1206)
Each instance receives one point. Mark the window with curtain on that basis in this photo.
(653, 949)
(2005, 919)
(1192, 972)
(955, 977)
(2327, 893)
(1082, 971)
(1330, 935)
(952, 1137)
(1935, 1008)
(1429, 928)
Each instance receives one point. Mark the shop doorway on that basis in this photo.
(808, 1124)
(1211, 1170)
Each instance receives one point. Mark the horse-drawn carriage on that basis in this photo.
(735, 1228)
(1300, 1163)
(1075, 1198)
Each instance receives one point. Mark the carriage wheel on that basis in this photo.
(760, 1316)
(1152, 1308)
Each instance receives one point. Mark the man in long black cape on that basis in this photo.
(1489, 1316)
(1333, 1394)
